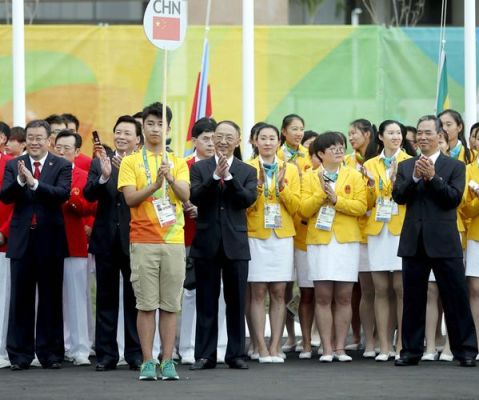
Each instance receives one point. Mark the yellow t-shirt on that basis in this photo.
(144, 225)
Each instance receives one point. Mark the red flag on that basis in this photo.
(166, 28)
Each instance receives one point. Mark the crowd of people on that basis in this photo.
(382, 241)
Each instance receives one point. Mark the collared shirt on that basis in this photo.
(32, 161)
(230, 162)
(433, 158)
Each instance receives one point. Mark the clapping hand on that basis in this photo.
(424, 168)
(24, 174)
(281, 177)
(222, 168)
(116, 159)
(394, 170)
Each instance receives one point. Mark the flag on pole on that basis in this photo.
(442, 97)
(202, 99)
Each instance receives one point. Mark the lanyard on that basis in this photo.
(274, 181)
(148, 171)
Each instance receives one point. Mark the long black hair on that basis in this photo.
(366, 126)
(287, 122)
(459, 121)
(405, 145)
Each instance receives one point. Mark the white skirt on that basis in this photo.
(364, 258)
(271, 259)
(333, 261)
(302, 269)
(472, 258)
(382, 250)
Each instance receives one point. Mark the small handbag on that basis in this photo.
(190, 276)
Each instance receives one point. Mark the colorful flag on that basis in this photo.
(442, 97)
(165, 28)
(202, 99)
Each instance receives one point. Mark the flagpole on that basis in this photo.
(470, 95)
(248, 75)
(164, 122)
(18, 50)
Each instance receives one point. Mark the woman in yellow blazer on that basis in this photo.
(333, 199)
(453, 124)
(383, 229)
(362, 135)
(471, 210)
(271, 231)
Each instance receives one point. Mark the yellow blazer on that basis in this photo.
(471, 202)
(303, 161)
(301, 227)
(289, 199)
(462, 155)
(351, 203)
(377, 168)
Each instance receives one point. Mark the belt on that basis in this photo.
(33, 227)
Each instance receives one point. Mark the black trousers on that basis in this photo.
(208, 286)
(36, 269)
(451, 282)
(108, 268)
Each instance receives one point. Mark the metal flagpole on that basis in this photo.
(18, 51)
(470, 84)
(248, 75)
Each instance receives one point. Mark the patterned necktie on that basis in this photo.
(36, 172)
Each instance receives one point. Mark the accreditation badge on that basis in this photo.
(384, 210)
(165, 212)
(395, 207)
(272, 216)
(325, 218)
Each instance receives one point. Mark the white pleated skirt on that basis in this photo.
(302, 269)
(382, 250)
(271, 259)
(333, 261)
(472, 258)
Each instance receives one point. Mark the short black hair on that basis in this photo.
(326, 140)
(5, 129)
(308, 135)
(137, 115)
(130, 120)
(156, 109)
(203, 125)
(71, 118)
(411, 129)
(17, 133)
(39, 123)
(437, 121)
(267, 126)
(55, 119)
(70, 133)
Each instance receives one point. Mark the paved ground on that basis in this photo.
(296, 379)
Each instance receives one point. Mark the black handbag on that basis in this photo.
(190, 276)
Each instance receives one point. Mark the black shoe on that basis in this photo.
(237, 363)
(53, 365)
(135, 365)
(405, 362)
(203, 363)
(18, 367)
(104, 367)
(467, 362)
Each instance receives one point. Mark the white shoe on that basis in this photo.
(250, 352)
(382, 357)
(446, 357)
(315, 342)
(35, 363)
(342, 357)
(121, 362)
(288, 347)
(265, 360)
(254, 356)
(79, 361)
(352, 346)
(4, 363)
(68, 357)
(282, 355)
(92, 353)
(397, 357)
(305, 355)
(277, 360)
(392, 354)
(369, 354)
(299, 348)
(320, 350)
(430, 356)
(188, 360)
(326, 358)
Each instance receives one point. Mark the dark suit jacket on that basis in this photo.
(112, 211)
(45, 202)
(431, 208)
(222, 209)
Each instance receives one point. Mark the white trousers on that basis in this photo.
(188, 325)
(4, 303)
(91, 282)
(75, 307)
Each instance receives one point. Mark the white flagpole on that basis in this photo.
(18, 50)
(470, 95)
(248, 75)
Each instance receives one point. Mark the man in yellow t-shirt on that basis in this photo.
(155, 188)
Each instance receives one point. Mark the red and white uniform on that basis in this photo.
(83, 162)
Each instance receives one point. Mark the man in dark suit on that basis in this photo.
(109, 243)
(431, 186)
(37, 183)
(222, 187)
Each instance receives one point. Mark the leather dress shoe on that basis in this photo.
(135, 365)
(467, 362)
(237, 363)
(405, 362)
(19, 367)
(104, 367)
(203, 363)
(53, 365)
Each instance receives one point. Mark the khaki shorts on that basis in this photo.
(157, 275)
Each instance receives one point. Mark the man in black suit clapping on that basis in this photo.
(222, 187)
(431, 186)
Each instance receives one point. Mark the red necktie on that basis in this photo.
(36, 175)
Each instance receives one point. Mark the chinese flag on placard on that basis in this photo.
(166, 28)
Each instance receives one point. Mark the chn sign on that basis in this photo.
(165, 23)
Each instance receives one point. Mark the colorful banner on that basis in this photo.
(328, 74)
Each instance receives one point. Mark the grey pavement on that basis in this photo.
(295, 379)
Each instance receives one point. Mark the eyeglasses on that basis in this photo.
(335, 150)
(36, 139)
(219, 138)
(206, 139)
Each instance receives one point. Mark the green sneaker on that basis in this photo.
(148, 371)
(168, 371)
